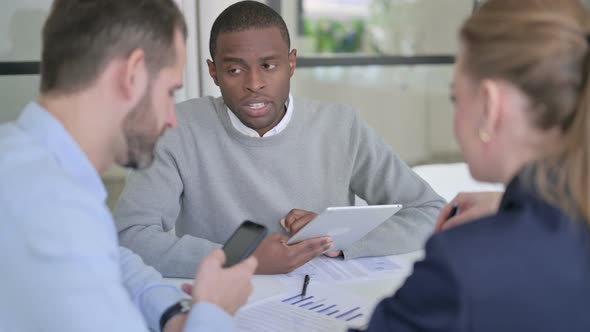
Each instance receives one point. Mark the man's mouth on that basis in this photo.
(257, 109)
(256, 106)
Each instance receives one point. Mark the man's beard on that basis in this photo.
(140, 133)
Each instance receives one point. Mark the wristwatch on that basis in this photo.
(181, 307)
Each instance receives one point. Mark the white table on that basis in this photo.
(373, 291)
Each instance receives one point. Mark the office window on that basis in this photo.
(392, 59)
(407, 105)
(380, 27)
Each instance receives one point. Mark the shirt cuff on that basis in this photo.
(208, 317)
(155, 300)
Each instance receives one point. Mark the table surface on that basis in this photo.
(266, 286)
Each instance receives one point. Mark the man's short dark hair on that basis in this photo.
(246, 15)
(80, 37)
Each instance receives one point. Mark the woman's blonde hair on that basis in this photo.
(543, 48)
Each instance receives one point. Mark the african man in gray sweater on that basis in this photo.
(257, 153)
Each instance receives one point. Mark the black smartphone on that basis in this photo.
(243, 242)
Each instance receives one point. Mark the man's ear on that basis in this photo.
(292, 61)
(133, 80)
(212, 71)
(491, 94)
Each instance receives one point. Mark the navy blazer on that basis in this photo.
(526, 268)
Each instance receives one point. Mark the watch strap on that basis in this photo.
(180, 307)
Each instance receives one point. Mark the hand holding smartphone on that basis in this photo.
(243, 242)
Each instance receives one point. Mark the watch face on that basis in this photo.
(185, 305)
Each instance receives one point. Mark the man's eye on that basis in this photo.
(234, 71)
(269, 66)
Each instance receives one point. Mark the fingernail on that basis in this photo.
(282, 222)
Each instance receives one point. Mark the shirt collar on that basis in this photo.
(242, 128)
(46, 129)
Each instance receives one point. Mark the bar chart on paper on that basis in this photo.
(320, 310)
(326, 307)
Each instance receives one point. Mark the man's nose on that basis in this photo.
(255, 80)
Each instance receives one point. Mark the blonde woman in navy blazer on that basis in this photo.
(522, 98)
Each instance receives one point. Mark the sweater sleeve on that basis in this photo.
(379, 176)
(147, 211)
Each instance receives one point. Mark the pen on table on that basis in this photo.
(454, 211)
(305, 282)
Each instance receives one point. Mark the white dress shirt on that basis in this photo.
(275, 130)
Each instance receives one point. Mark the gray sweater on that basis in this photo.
(207, 178)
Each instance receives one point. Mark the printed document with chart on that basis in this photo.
(323, 309)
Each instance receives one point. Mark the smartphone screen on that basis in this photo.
(243, 242)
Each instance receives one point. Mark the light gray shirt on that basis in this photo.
(208, 178)
(61, 267)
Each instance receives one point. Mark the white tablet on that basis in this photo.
(345, 225)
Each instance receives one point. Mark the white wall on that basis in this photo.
(20, 29)
(192, 84)
(20, 40)
(208, 11)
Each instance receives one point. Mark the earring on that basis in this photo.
(484, 136)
